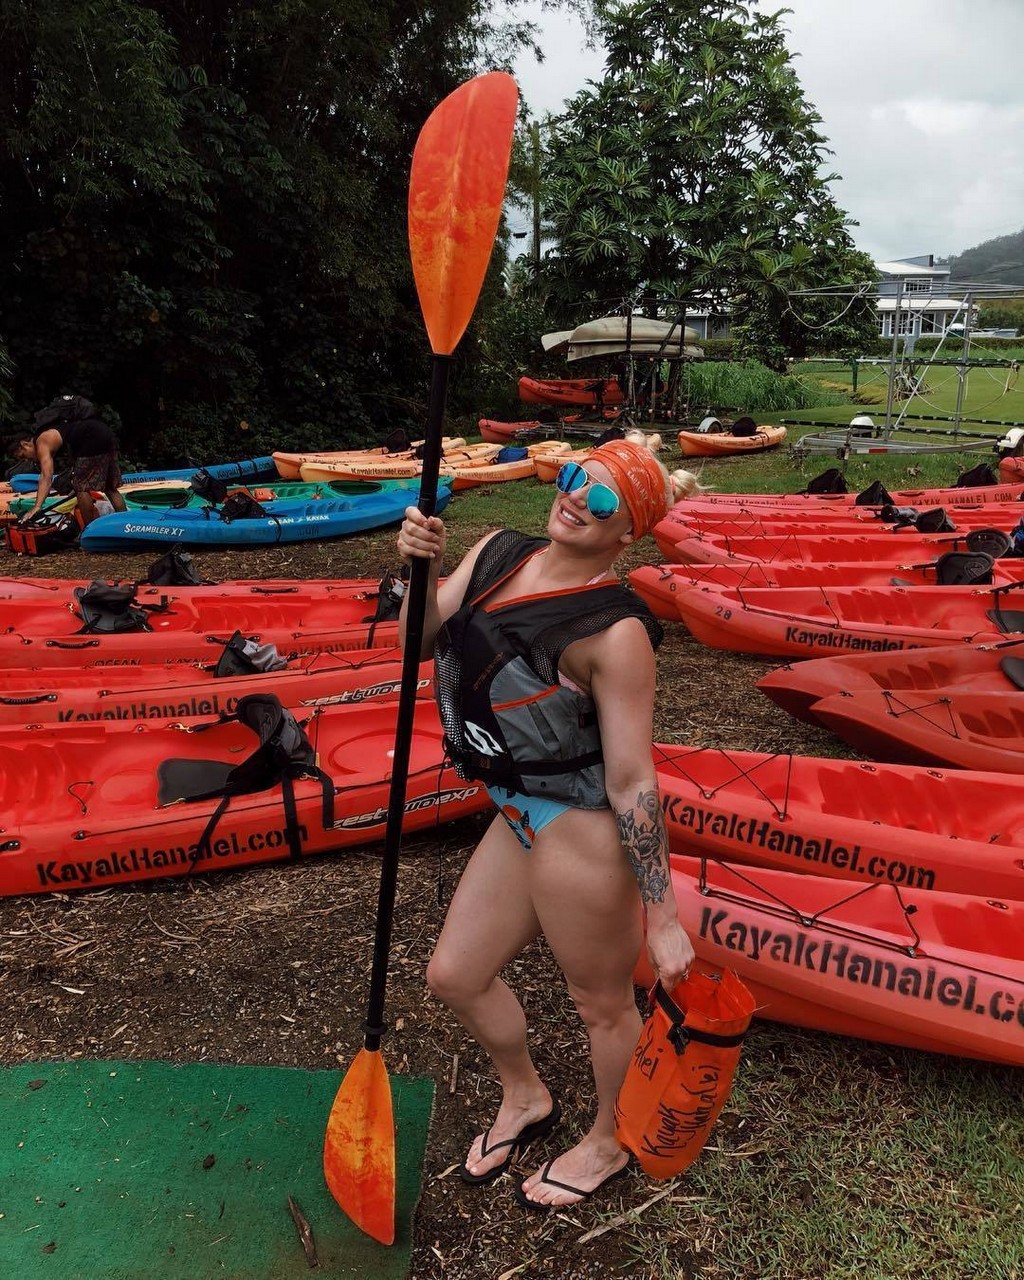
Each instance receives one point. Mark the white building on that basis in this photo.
(922, 305)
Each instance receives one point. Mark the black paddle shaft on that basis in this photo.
(414, 620)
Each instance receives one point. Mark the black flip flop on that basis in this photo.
(535, 1207)
(529, 1133)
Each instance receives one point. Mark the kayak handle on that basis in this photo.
(64, 644)
(29, 699)
(273, 591)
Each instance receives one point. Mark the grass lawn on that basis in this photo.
(836, 1159)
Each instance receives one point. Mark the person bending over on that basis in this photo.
(72, 423)
(545, 677)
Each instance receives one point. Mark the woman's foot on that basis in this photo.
(581, 1171)
(519, 1121)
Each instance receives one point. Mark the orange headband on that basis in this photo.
(640, 480)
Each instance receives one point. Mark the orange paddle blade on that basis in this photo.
(456, 190)
(359, 1147)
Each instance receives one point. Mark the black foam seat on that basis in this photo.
(1013, 669)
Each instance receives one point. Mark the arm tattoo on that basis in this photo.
(642, 832)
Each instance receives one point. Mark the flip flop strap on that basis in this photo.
(485, 1150)
(565, 1186)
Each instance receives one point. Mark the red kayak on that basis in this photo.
(808, 621)
(658, 585)
(176, 692)
(934, 971)
(91, 805)
(494, 432)
(960, 728)
(570, 391)
(726, 520)
(246, 590)
(47, 634)
(807, 548)
(985, 668)
(896, 824)
(1009, 492)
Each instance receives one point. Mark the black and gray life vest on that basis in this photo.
(507, 719)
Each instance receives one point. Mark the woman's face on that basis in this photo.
(573, 523)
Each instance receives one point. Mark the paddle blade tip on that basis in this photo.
(359, 1148)
(456, 192)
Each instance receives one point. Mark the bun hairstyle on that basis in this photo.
(686, 484)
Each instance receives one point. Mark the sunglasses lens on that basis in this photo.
(570, 477)
(602, 502)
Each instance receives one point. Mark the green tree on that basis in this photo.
(693, 170)
(202, 211)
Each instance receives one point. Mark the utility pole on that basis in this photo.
(892, 357)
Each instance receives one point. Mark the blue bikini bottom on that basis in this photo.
(527, 816)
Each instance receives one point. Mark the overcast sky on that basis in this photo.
(922, 102)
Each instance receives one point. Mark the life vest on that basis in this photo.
(507, 720)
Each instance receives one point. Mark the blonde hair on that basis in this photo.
(680, 483)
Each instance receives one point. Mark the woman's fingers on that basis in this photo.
(420, 536)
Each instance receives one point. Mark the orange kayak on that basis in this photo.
(934, 971)
(84, 806)
(395, 468)
(953, 831)
(809, 548)
(717, 444)
(289, 464)
(985, 668)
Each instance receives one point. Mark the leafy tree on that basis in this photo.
(202, 211)
(693, 170)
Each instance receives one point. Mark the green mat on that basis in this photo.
(130, 1170)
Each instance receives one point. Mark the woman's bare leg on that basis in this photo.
(588, 905)
(490, 920)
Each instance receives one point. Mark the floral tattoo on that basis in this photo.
(642, 832)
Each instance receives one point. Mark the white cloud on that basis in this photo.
(922, 102)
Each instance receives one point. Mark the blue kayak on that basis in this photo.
(284, 522)
(247, 469)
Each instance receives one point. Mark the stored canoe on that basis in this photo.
(715, 444)
(797, 687)
(83, 805)
(570, 391)
(895, 824)
(494, 432)
(396, 468)
(933, 971)
(244, 471)
(807, 621)
(285, 522)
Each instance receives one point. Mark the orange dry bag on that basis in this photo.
(682, 1070)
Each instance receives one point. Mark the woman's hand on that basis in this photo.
(669, 950)
(422, 538)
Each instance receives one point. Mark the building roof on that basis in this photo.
(898, 268)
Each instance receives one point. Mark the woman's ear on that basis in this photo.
(626, 538)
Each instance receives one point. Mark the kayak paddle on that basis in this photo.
(456, 190)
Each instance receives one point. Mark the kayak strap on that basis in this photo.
(110, 608)
(284, 756)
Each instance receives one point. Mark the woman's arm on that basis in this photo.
(422, 537)
(623, 683)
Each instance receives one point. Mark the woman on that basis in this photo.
(545, 674)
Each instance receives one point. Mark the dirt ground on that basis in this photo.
(270, 965)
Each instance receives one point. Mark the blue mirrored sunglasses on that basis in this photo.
(602, 502)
